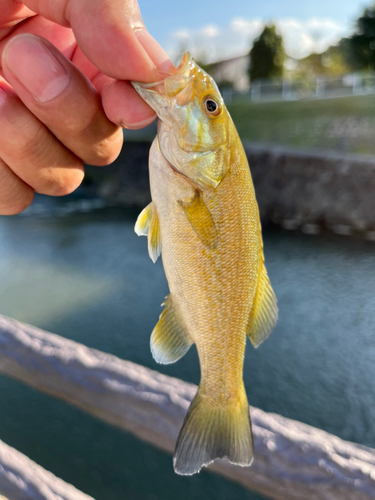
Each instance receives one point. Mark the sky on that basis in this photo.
(219, 29)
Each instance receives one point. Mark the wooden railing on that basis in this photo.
(293, 461)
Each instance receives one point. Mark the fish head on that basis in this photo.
(193, 123)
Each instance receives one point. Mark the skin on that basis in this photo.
(69, 110)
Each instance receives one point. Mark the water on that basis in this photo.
(86, 276)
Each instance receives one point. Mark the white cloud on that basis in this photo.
(330, 24)
(181, 34)
(246, 27)
(314, 35)
(210, 31)
(214, 43)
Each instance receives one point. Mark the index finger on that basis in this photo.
(111, 34)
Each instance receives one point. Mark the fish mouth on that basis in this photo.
(163, 95)
(169, 85)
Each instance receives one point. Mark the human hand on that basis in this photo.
(64, 97)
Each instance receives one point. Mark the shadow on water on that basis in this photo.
(88, 277)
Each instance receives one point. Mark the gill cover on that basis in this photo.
(193, 126)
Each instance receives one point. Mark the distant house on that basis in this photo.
(234, 71)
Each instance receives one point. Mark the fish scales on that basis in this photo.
(204, 219)
(208, 292)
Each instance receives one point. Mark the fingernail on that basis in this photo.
(35, 67)
(162, 62)
(137, 125)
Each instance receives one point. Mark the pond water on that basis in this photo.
(85, 275)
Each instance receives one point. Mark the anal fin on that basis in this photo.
(148, 225)
(170, 339)
(263, 316)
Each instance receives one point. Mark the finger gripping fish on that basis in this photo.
(204, 220)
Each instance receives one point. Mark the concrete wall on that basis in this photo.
(295, 188)
(314, 189)
(125, 181)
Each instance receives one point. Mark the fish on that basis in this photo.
(204, 222)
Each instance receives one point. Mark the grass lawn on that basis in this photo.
(344, 124)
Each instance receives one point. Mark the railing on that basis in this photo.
(293, 461)
(321, 87)
(21, 479)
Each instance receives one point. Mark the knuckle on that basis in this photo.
(18, 205)
(61, 182)
(34, 146)
(82, 124)
(71, 183)
(15, 195)
(103, 156)
(90, 136)
(105, 151)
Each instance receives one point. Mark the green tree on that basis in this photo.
(359, 49)
(335, 61)
(329, 63)
(267, 55)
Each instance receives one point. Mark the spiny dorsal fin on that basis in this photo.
(263, 316)
(169, 339)
(201, 220)
(148, 225)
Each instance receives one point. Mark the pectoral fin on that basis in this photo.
(169, 339)
(148, 225)
(201, 220)
(263, 316)
(143, 221)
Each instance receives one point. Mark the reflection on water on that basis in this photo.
(88, 277)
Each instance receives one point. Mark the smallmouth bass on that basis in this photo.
(204, 221)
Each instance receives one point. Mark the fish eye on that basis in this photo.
(212, 106)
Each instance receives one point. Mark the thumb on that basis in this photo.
(111, 34)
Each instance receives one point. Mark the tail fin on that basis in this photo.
(211, 432)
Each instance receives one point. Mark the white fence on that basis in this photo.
(317, 88)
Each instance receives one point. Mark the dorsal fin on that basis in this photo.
(264, 313)
(201, 220)
(263, 316)
(170, 339)
(148, 225)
